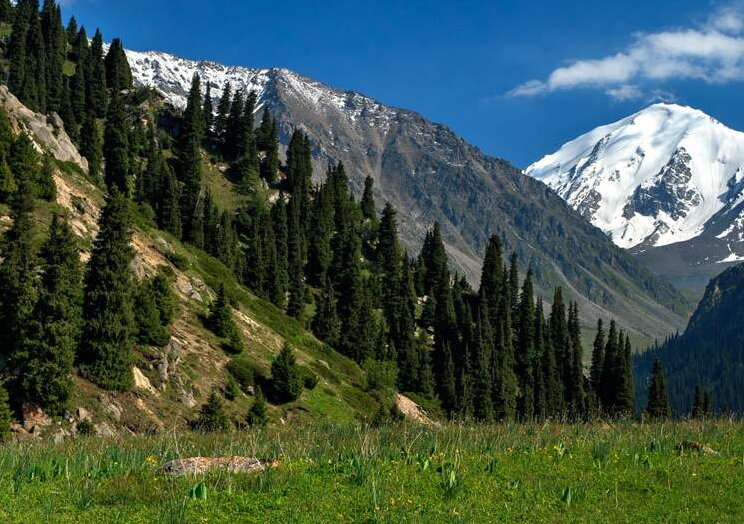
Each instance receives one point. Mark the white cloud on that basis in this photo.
(712, 52)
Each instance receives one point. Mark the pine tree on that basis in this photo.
(598, 358)
(169, 207)
(658, 402)
(91, 147)
(325, 323)
(45, 375)
(6, 415)
(151, 329)
(223, 110)
(286, 382)
(525, 349)
(118, 73)
(575, 394)
(18, 278)
(55, 47)
(698, 410)
(189, 161)
(212, 417)
(608, 383)
(96, 77)
(268, 141)
(116, 148)
(208, 111)
(258, 415)
(109, 324)
(222, 323)
(368, 200)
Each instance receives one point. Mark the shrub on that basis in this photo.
(231, 389)
(309, 379)
(85, 428)
(242, 371)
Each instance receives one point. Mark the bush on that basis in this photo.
(177, 259)
(244, 372)
(309, 379)
(85, 428)
(231, 389)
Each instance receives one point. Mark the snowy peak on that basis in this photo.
(654, 178)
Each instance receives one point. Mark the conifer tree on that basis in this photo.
(208, 111)
(55, 47)
(598, 358)
(96, 81)
(258, 414)
(116, 147)
(268, 141)
(212, 417)
(278, 293)
(109, 323)
(575, 395)
(45, 375)
(525, 349)
(189, 162)
(118, 73)
(6, 415)
(72, 30)
(609, 367)
(18, 278)
(221, 322)
(658, 402)
(325, 323)
(169, 207)
(286, 382)
(223, 110)
(368, 200)
(698, 410)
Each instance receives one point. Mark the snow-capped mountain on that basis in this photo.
(656, 177)
(430, 175)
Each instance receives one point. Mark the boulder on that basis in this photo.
(201, 465)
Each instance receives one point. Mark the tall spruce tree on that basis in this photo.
(658, 402)
(96, 81)
(18, 278)
(45, 375)
(116, 147)
(189, 164)
(118, 73)
(109, 328)
(6, 415)
(598, 358)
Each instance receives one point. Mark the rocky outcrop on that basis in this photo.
(201, 465)
(47, 132)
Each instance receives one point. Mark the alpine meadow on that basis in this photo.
(238, 294)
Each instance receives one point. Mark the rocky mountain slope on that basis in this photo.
(666, 183)
(171, 382)
(710, 353)
(430, 174)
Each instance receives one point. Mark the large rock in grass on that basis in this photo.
(201, 465)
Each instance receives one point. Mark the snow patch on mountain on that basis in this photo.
(654, 178)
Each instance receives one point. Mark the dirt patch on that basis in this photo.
(413, 411)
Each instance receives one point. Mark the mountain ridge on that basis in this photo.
(430, 174)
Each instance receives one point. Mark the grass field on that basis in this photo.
(403, 473)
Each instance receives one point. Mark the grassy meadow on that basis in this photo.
(401, 473)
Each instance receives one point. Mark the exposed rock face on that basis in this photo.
(47, 132)
(432, 175)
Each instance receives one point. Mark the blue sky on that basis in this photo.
(515, 78)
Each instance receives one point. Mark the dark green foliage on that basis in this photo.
(155, 306)
(242, 370)
(286, 381)
(118, 74)
(232, 389)
(189, 165)
(658, 403)
(95, 69)
(368, 200)
(212, 416)
(221, 322)
(707, 354)
(91, 147)
(48, 354)
(258, 414)
(116, 147)
(18, 278)
(109, 321)
(6, 416)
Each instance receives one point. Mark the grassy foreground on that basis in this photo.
(403, 473)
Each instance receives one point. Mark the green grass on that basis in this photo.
(352, 473)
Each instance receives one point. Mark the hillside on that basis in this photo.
(173, 381)
(710, 352)
(430, 174)
(664, 183)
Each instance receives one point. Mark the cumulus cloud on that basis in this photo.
(711, 52)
